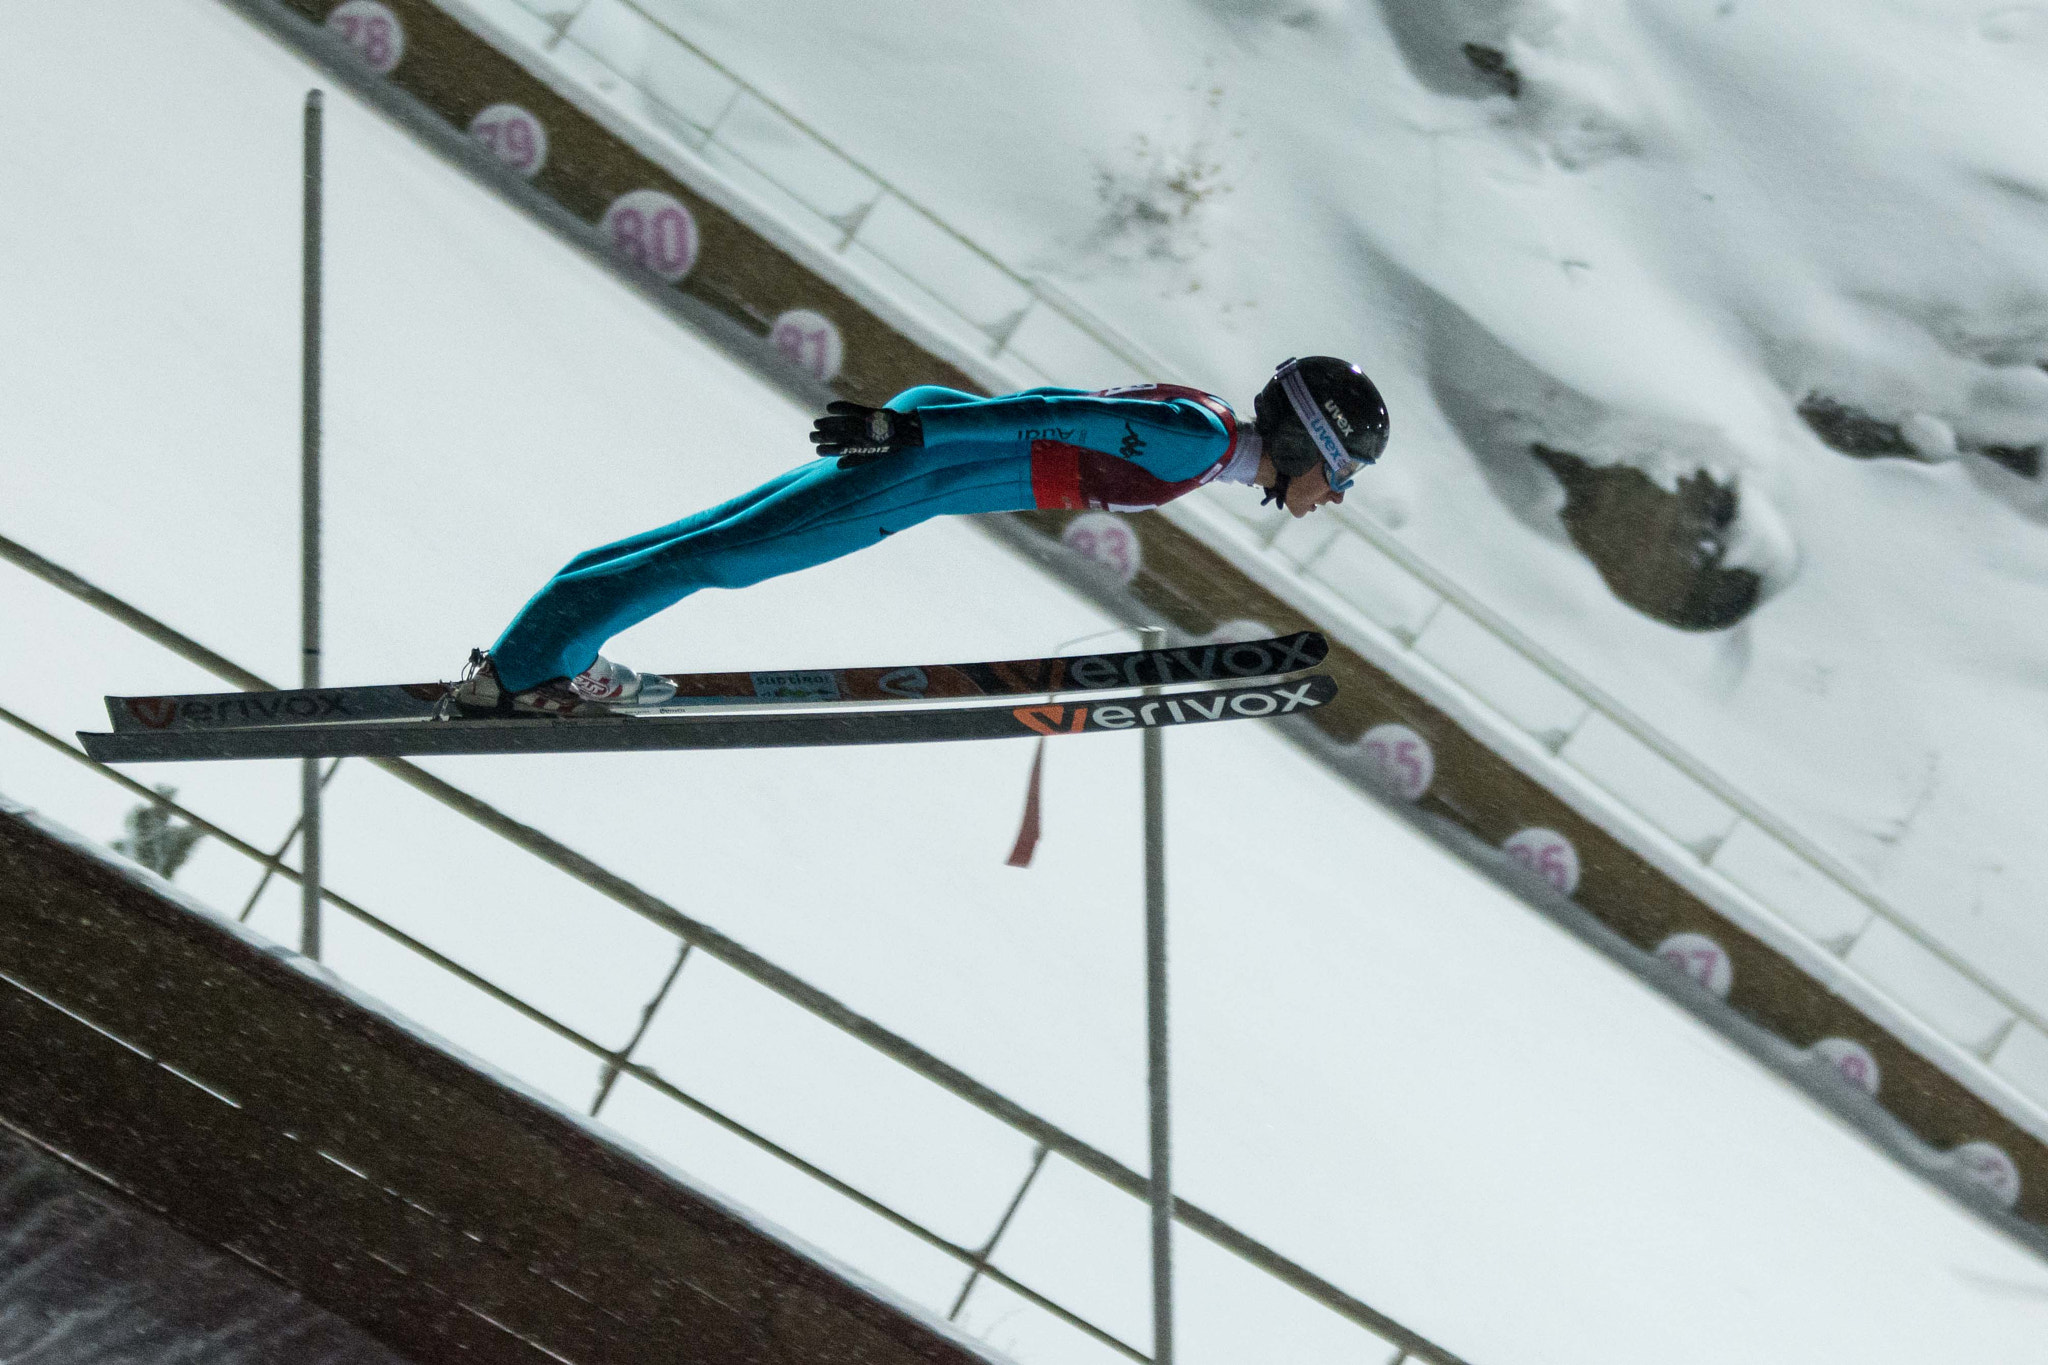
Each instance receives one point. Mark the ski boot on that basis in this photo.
(603, 689)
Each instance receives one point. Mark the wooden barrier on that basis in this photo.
(264, 1111)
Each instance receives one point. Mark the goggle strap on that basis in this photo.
(1336, 459)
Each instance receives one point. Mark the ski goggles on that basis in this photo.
(1340, 467)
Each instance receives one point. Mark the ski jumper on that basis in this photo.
(1122, 449)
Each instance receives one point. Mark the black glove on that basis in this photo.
(858, 434)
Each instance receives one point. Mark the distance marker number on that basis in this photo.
(373, 31)
(810, 341)
(1548, 854)
(1700, 958)
(1103, 538)
(654, 231)
(514, 136)
(1403, 758)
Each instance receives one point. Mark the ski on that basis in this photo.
(799, 726)
(1279, 656)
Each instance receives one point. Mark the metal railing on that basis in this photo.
(846, 228)
(1598, 701)
(996, 338)
(617, 1062)
(1405, 655)
(693, 936)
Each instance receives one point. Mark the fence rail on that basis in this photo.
(617, 1062)
(1405, 1343)
(1012, 328)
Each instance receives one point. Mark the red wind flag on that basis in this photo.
(1027, 832)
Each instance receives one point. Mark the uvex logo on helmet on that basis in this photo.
(1320, 410)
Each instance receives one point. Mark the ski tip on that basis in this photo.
(1286, 654)
(1322, 688)
(142, 713)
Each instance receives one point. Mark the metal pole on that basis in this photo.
(309, 527)
(704, 938)
(1154, 637)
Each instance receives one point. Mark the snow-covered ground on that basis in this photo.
(1386, 1068)
(1695, 216)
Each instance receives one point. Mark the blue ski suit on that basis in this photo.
(1122, 449)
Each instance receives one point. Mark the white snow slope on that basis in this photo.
(1696, 213)
(1385, 1067)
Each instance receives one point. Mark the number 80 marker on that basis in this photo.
(654, 231)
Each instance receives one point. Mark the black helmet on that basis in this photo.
(1320, 408)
